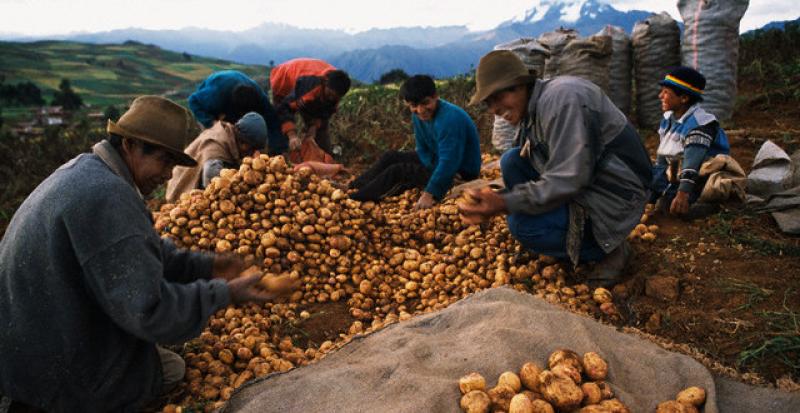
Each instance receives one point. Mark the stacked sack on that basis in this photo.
(656, 46)
(711, 46)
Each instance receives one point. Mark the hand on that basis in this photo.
(294, 141)
(311, 132)
(243, 289)
(680, 204)
(485, 204)
(227, 266)
(425, 201)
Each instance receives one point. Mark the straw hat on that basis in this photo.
(498, 70)
(159, 121)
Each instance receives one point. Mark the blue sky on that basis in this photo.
(43, 17)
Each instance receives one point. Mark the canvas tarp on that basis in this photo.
(414, 366)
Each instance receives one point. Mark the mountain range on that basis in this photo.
(438, 51)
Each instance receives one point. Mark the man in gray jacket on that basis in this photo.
(577, 182)
(87, 287)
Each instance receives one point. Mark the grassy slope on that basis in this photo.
(110, 74)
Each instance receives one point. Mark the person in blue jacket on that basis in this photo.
(447, 146)
(228, 95)
(688, 136)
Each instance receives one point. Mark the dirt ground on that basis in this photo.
(725, 289)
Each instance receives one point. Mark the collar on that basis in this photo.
(109, 155)
(538, 87)
(670, 115)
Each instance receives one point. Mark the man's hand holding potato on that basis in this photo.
(480, 205)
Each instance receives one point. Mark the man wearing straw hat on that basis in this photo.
(577, 182)
(87, 287)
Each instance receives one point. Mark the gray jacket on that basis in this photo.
(587, 155)
(87, 288)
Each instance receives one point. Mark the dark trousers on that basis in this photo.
(662, 188)
(544, 233)
(394, 173)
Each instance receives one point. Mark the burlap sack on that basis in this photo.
(656, 48)
(588, 58)
(555, 42)
(711, 46)
(620, 67)
(414, 366)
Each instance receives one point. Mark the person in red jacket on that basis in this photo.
(313, 88)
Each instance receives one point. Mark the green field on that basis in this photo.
(110, 74)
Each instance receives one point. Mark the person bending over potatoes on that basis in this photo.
(447, 145)
(578, 183)
(87, 286)
(221, 146)
(228, 95)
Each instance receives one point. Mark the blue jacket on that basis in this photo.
(446, 145)
(87, 287)
(213, 98)
(693, 138)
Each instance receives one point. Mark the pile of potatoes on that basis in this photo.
(688, 400)
(642, 231)
(386, 262)
(569, 384)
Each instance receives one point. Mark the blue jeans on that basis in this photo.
(544, 233)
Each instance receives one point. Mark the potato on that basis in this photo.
(602, 295)
(529, 376)
(591, 393)
(614, 406)
(279, 284)
(593, 408)
(470, 382)
(511, 380)
(541, 406)
(594, 366)
(565, 356)
(501, 396)
(560, 391)
(568, 371)
(694, 395)
(531, 394)
(673, 406)
(605, 390)
(520, 404)
(475, 401)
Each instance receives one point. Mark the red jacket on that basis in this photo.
(297, 86)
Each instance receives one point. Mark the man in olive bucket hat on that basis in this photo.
(88, 288)
(577, 182)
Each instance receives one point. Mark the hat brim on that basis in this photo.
(181, 158)
(481, 95)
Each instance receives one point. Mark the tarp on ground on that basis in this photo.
(414, 366)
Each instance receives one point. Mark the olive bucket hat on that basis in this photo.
(498, 70)
(158, 121)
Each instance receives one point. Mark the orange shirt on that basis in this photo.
(283, 78)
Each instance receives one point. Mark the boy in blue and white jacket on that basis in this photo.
(688, 137)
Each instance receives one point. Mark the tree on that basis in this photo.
(393, 76)
(66, 97)
(187, 57)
